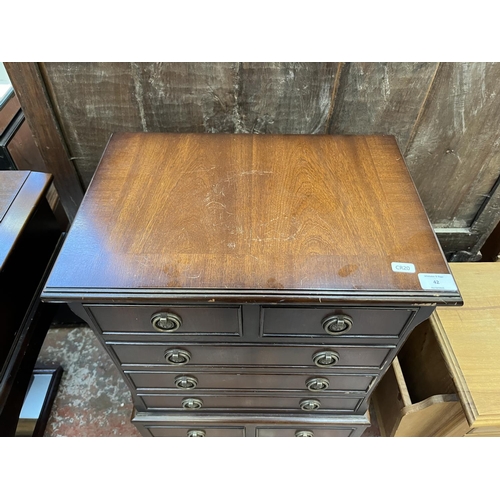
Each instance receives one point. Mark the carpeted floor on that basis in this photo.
(93, 400)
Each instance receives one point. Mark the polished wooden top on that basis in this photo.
(301, 215)
(11, 183)
(20, 192)
(470, 340)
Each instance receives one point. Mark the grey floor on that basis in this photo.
(93, 400)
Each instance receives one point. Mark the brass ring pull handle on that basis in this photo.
(186, 382)
(317, 384)
(337, 324)
(177, 356)
(192, 403)
(166, 322)
(304, 434)
(326, 358)
(195, 433)
(310, 404)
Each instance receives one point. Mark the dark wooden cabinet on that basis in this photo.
(29, 234)
(18, 150)
(252, 285)
(17, 147)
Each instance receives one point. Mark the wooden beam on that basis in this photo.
(35, 103)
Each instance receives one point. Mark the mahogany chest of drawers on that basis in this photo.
(250, 285)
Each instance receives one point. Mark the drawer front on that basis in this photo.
(251, 355)
(297, 321)
(305, 431)
(255, 424)
(201, 381)
(247, 402)
(195, 431)
(193, 320)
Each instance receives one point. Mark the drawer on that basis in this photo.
(254, 424)
(349, 321)
(193, 431)
(305, 431)
(210, 381)
(400, 416)
(208, 355)
(250, 402)
(417, 395)
(179, 320)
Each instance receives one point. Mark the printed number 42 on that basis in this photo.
(436, 282)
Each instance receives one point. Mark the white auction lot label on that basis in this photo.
(402, 267)
(437, 282)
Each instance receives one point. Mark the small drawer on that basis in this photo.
(169, 321)
(400, 416)
(333, 322)
(296, 356)
(257, 403)
(306, 431)
(417, 396)
(194, 431)
(210, 381)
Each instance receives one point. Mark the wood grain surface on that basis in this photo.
(28, 188)
(423, 365)
(31, 92)
(438, 416)
(470, 341)
(253, 212)
(456, 143)
(137, 97)
(8, 111)
(185, 97)
(381, 98)
(444, 117)
(9, 188)
(401, 413)
(285, 98)
(23, 150)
